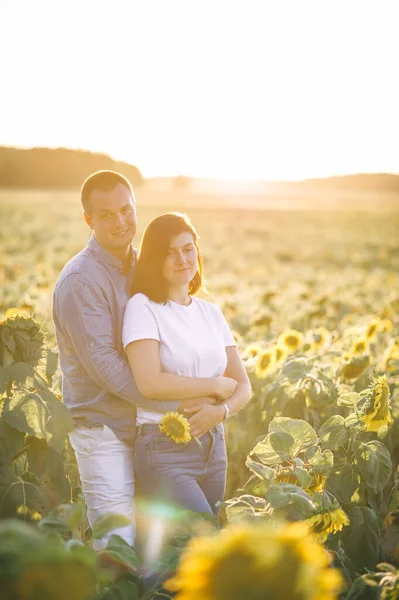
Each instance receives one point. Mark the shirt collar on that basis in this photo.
(107, 257)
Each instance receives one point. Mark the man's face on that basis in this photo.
(113, 217)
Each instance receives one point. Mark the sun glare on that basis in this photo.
(222, 90)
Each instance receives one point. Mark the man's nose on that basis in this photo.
(119, 219)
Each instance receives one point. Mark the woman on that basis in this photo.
(180, 348)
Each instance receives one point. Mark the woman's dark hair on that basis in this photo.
(154, 248)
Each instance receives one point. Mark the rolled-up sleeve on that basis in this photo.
(86, 318)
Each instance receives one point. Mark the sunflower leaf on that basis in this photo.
(349, 399)
(291, 499)
(374, 463)
(108, 522)
(333, 432)
(343, 482)
(303, 434)
(361, 537)
(260, 470)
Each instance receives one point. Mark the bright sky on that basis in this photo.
(244, 89)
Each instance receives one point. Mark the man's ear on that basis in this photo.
(88, 220)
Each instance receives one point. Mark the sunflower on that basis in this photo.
(390, 588)
(279, 353)
(257, 562)
(291, 340)
(176, 427)
(360, 346)
(263, 320)
(386, 326)
(317, 484)
(264, 363)
(355, 367)
(12, 313)
(308, 347)
(320, 337)
(391, 359)
(328, 522)
(372, 329)
(395, 305)
(251, 351)
(376, 409)
(286, 476)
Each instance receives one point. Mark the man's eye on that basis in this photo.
(127, 209)
(106, 217)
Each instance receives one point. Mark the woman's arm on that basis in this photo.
(145, 363)
(204, 417)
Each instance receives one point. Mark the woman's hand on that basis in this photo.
(204, 417)
(225, 387)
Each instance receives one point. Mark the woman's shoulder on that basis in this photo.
(208, 307)
(139, 299)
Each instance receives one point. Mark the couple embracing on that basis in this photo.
(134, 344)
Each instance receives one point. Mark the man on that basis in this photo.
(88, 306)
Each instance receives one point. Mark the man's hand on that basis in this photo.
(188, 402)
(204, 417)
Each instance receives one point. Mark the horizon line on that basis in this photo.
(204, 178)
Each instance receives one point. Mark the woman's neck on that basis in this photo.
(179, 294)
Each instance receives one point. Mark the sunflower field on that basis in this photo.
(311, 511)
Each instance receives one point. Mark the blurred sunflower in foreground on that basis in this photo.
(291, 340)
(176, 427)
(243, 561)
(376, 408)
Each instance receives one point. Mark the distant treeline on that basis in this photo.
(56, 168)
(65, 168)
(382, 182)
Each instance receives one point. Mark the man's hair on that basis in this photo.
(104, 181)
(154, 248)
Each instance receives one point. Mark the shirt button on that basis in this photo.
(91, 344)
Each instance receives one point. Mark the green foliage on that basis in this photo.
(314, 455)
(361, 538)
(109, 522)
(374, 463)
(34, 422)
(35, 566)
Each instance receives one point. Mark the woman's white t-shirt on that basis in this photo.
(192, 339)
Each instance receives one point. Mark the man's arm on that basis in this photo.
(85, 316)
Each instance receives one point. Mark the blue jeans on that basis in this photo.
(185, 474)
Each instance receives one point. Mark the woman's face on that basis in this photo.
(181, 262)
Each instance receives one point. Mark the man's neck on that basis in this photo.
(123, 254)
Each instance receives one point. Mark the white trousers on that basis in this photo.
(107, 475)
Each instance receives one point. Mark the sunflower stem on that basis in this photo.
(197, 441)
